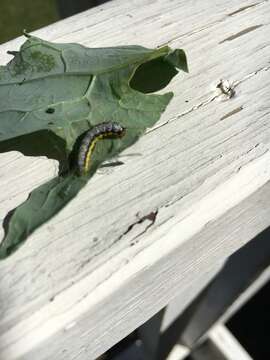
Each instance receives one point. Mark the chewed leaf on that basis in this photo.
(50, 94)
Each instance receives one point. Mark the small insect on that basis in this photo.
(89, 141)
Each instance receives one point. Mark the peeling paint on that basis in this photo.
(150, 217)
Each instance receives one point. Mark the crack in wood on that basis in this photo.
(240, 33)
(252, 159)
(195, 107)
(179, 198)
(150, 217)
(250, 75)
(208, 101)
(242, 9)
(234, 111)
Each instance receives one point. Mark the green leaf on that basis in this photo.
(48, 198)
(178, 59)
(50, 94)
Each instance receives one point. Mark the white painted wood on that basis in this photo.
(160, 333)
(242, 274)
(179, 352)
(181, 301)
(220, 345)
(82, 281)
(227, 344)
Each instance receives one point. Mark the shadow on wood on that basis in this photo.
(70, 7)
(217, 299)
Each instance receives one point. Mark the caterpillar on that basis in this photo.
(89, 141)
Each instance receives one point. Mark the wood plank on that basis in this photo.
(161, 333)
(179, 352)
(180, 303)
(220, 345)
(243, 273)
(82, 282)
(227, 344)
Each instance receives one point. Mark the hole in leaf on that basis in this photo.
(152, 76)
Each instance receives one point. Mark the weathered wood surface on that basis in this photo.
(200, 181)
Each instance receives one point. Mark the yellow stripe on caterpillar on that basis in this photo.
(89, 141)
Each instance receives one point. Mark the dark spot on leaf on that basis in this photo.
(50, 123)
(20, 83)
(9, 250)
(50, 110)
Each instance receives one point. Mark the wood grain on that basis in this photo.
(96, 271)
